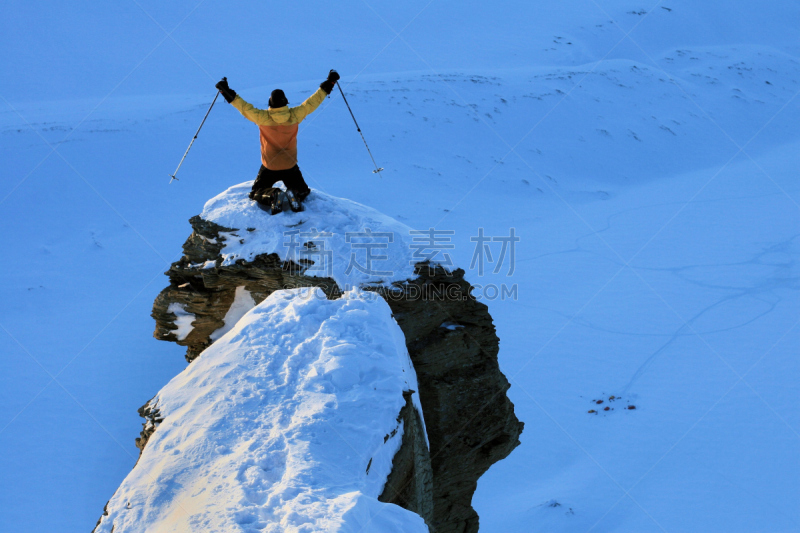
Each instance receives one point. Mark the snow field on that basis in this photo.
(272, 428)
(617, 134)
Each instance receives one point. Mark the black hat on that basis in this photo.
(277, 99)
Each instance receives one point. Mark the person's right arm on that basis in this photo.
(251, 113)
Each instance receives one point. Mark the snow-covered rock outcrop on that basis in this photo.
(334, 243)
(338, 226)
(289, 422)
(238, 256)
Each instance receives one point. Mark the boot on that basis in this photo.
(268, 199)
(264, 195)
(276, 205)
(293, 202)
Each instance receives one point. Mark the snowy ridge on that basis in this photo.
(279, 426)
(326, 221)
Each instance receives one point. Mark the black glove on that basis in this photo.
(328, 84)
(227, 93)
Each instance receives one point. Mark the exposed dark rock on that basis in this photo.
(470, 420)
(451, 340)
(105, 513)
(208, 293)
(410, 484)
(152, 416)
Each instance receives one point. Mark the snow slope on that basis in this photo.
(653, 182)
(279, 426)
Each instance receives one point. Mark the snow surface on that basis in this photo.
(242, 303)
(653, 182)
(183, 319)
(279, 426)
(354, 244)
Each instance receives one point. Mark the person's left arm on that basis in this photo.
(306, 108)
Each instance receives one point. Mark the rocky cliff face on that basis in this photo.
(450, 337)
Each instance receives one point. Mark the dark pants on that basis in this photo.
(291, 178)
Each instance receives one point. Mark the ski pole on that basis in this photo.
(172, 176)
(377, 170)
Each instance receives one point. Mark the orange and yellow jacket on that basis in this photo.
(279, 128)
